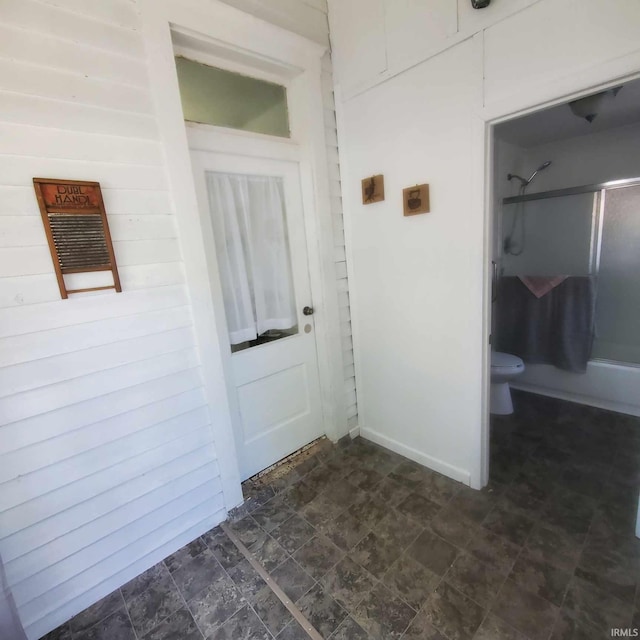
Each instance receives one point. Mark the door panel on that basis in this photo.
(271, 402)
(274, 384)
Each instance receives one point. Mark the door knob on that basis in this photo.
(308, 311)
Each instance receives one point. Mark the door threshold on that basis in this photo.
(257, 490)
(293, 460)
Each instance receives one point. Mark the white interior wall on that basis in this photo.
(109, 459)
(417, 283)
(589, 159)
(403, 269)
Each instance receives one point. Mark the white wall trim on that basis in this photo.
(205, 137)
(354, 433)
(479, 464)
(347, 216)
(320, 248)
(164, 87)
(559, 91)
(417, 456)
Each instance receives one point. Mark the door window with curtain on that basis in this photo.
(250, 228)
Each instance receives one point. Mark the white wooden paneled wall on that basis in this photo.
(107, 449)
(308, 18)
(108, 458)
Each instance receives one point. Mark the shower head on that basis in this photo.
(542, 167)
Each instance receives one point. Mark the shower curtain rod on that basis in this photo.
(571, 191)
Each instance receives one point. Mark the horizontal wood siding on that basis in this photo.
(108, 463)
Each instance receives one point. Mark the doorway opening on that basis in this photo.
(253, 168)
(565, 224)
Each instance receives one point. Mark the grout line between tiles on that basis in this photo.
(262, 622)
(249, 603)
(126, 608)
(184, 600)
(277, 591)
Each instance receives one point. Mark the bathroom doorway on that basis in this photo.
(565, 303)
(566, 226)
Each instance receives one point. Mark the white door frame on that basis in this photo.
(241, 42)
(535, 98)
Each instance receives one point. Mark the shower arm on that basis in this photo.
(523, 181)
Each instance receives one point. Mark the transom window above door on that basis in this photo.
(222, 98)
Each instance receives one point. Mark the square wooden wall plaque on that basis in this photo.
(416, 200)
(373, 189)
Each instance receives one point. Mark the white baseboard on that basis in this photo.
(354, 433)
(601, 403)
(417, 456)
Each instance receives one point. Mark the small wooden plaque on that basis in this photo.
(416, 200)
(77, 230)
(373, 189)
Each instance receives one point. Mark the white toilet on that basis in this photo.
(504, 368)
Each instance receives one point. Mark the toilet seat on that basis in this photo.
(505, 361)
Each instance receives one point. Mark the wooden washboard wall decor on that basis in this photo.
(77, 230)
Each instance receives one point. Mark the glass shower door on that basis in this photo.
(590, 233)
(618, 302)
(550, 236)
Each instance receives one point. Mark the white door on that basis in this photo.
(254, 210)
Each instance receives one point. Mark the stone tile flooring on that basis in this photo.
(372, 546)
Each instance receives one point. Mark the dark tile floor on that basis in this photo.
(372, 546)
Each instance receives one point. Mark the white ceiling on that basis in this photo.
(558, 123)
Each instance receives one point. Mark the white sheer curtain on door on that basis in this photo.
(10, 625)
(249, 223)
